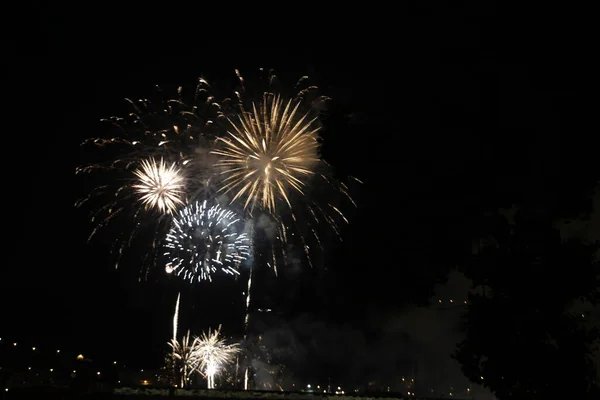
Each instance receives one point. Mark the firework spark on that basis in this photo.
(160, 186)
(203, 240)
(214, 353)
(268, 152)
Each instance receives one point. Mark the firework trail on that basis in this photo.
(171, 359)
(214, 353)
(203, 240)
(176, 317)
(246, 320)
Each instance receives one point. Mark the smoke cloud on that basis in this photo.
(415, 343)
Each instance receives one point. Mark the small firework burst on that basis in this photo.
(184, 357)
(214, 353)
(160, 186)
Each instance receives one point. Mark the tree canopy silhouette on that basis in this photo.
(527, 335)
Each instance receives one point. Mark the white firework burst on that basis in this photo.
(213, 353)
(204, 240)
(159, 185)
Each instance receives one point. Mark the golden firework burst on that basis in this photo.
(268, 152)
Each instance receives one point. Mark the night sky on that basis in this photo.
(443, 114)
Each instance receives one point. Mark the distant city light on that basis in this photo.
(51, 369)
(80, 357)
(33, 348)
(14, 344)
(98, 373)
(58, 351)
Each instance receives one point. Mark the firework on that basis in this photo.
(214, 353)
(185, 356)
(269, 152)
(270, 160)
(176, 317)
(142, 159)
(203, 240)
(263, 155)
(159, 186)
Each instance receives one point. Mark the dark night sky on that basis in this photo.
(448, 112)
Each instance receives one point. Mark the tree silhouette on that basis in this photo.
(527, 336)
